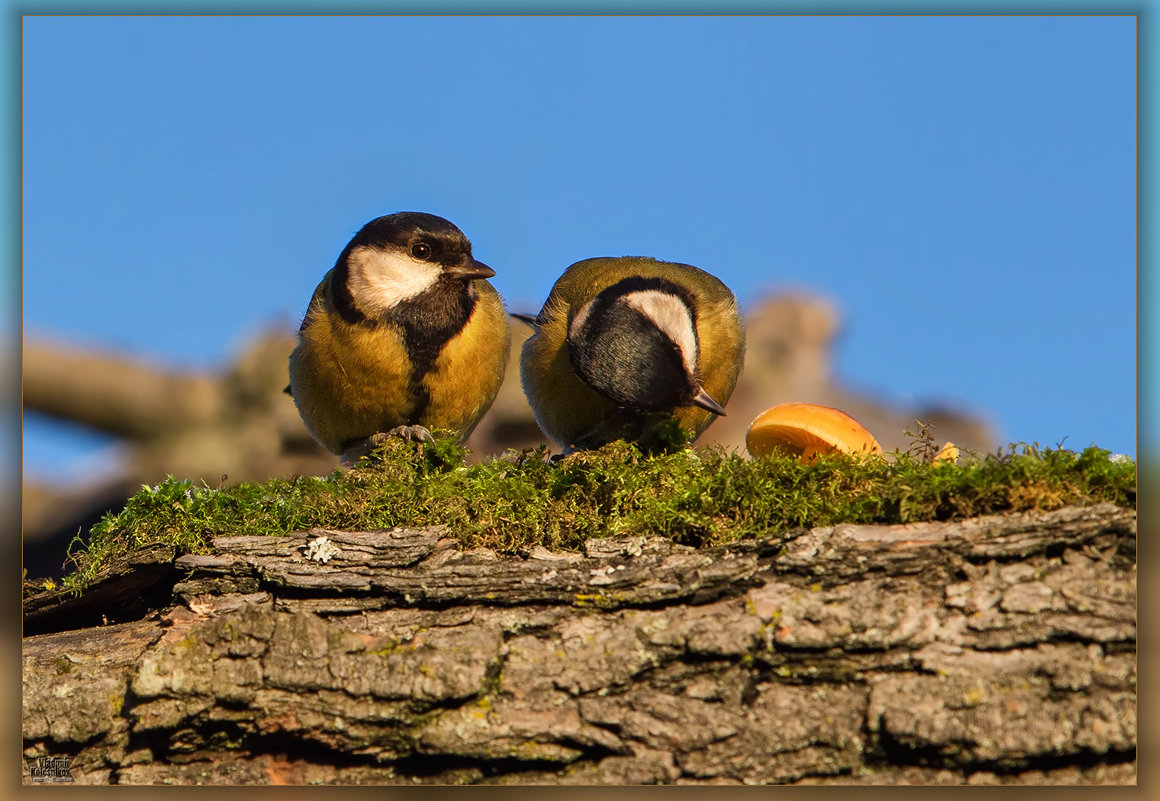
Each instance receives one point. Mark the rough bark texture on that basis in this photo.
(997, 649)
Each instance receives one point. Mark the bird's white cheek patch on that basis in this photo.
(580, 319)
(381, 279)
(670, 314)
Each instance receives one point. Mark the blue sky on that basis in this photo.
(963, 188)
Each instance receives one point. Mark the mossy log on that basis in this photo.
(999, 649)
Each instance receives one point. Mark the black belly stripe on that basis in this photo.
(427, 323)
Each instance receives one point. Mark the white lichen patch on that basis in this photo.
(321, 549)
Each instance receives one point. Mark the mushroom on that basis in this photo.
(807, 429)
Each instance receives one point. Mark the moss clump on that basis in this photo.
(696, 496)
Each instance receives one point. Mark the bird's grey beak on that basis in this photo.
(470, 271)
(703, 399)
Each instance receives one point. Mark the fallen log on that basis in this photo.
(998, 649)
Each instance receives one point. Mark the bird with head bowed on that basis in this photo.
(623, 344)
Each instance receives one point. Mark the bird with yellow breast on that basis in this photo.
(402, 336)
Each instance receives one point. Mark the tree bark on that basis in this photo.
(999, 649)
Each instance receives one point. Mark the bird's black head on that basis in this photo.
(400, 257)
(636, 343)
(424, 237)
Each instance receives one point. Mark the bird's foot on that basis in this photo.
(414, 433)
(541, 453)
(365, 447)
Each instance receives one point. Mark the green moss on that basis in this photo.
(695, 496)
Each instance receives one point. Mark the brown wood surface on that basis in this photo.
(996, 649)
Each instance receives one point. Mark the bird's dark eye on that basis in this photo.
(421, 251)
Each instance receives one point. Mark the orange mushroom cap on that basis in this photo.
(807, 429)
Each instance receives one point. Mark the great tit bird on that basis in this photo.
(624, 342)
(403, 335)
